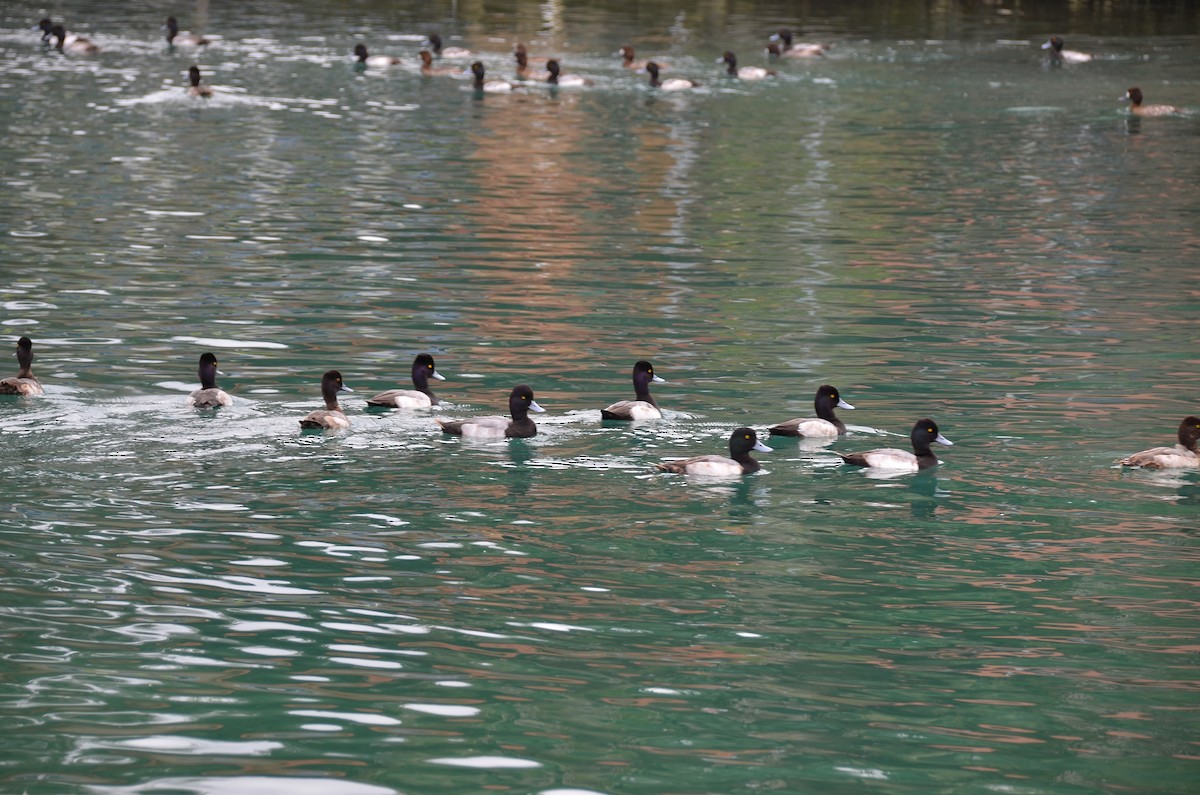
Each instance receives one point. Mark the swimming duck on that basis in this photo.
(332, 415)
(521, 53)
(420, 398)
(741, 442)
(671, 83)
(80, 45)
(489, 86)
(923, 433)
(366, 59)
(799, 49)
(520, 403)
(1184, 454)
(177, 39)
(428, 69)
(826, 422)
(195, 89)
(435, 44)
(556, 77)
(745, 72)
(643, 406)
(1134, 97)
(209, 396)
(1059, 55)
(24, 383)
(629, 62)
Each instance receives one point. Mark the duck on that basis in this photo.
(797, 50)
(80, 45)
(209, 396)
(520, 403)
(332, 415)
(177, 39)
(24, 383)
(488, 86)
(556, 77)
(1134, 97)
(435, 44)
(429, 70)
(671, 83)
(641, 407)
(524, 70)
(1057, 54)
(924, 432)
(826, 422)
(521, 53)
(1185, 454)
(629, 62)
(195, 89)
(740, 462)
(366, 59)
(745, 72)
(423, 369)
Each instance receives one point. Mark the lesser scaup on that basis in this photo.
(209, 396)
(177, 39)
(557, 78)
(1134, 97)
(366, 59)
(643, 406)
(488, 86)
(521, 53)
(1184, 454)
(524, 70)
(741, 442)
(420, 398)
(435, 44)
(332, 415)
(924, 433)
(1059, 55)
(23, 383)
(802, 49)
(195, 89)
(671, 83)
(520, 403)
(745, 72)
(428, 69)
(80, 45)
(826, 422)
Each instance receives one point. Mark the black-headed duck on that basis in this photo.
(740, 462)
(209, 395)
(366, 59)
(1059, 55)
(642, 407)
(78, 45)
(488, 86)
(790, 49)
(331, 416)
(195, 89)
(1134, 97)
(745, 72)
(520, 403)
(177, 39)
(421, 397)
(1183, 455)
(630, 62)
(824, 424)
(451, 53)
(924, 433)
(524, 70)
(671, 83)
(429, 70)
(557, 78)
(23, 383)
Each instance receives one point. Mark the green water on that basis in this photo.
(930, 218)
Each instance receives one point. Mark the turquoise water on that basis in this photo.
(930, 218)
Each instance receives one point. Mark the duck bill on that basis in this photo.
(1047, 45)
(535, 408)
(344, 388)
(762, 448)
(844, 405)
(658, 380)
(943, 440)
(438, 376)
